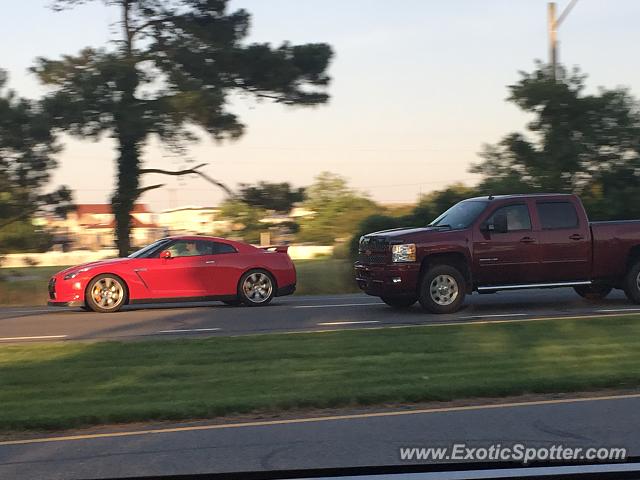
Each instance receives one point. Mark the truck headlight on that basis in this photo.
(403, 253)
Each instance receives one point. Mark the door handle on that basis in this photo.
(210, 262)
(527, 240)
(576, 236)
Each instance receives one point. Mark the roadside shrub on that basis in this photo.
(30, 261)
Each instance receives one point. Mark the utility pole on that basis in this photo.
(552, 26)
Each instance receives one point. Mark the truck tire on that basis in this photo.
(593, 292)
(442, 289)
(400, 301)
(632, 283)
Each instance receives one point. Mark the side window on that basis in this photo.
(517, 217)
(222, 248)
(554, 215)
(191, 248)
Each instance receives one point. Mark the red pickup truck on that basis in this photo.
(504, 242)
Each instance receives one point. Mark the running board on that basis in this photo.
(533, 285)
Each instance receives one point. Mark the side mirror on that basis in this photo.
(166, 254)
(500, 224)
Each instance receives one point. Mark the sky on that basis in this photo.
(418, 86)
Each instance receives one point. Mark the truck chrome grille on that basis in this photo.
(373, 259)
(373, 251)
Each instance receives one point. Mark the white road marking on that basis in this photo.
(39, 337)
(349, 323)
(338, 305)
(190, 330)
(619, 310)
(42, 310)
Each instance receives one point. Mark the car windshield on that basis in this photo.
(461, 215)
(143, 252)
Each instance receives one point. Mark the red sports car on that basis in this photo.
(178, 269)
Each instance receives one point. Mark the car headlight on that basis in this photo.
(71, 275)
(403, 253)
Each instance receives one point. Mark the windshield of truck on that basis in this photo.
(461, 215)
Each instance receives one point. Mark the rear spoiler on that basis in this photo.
(276, 248)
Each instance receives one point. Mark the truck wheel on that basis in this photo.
(400, 301)
(442, 289)
(593, 292)
(632, 283)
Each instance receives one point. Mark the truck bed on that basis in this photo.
(612, 245)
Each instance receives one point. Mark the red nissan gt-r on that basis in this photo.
(178, 269)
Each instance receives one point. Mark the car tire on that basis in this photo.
(232, 303)
(256, 288)
(632, 283)
(106, 293)
(593, 292)
(400, 301)
(442, 289)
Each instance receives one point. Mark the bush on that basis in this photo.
(30, 262)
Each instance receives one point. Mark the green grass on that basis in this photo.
(325, 276)
(25, 285)
(28, 285)
(64, 385)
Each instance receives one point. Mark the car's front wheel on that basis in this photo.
(106, 293)
(442, 289)
(400, 302)
(257, 288)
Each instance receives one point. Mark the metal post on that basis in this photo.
(553, 38)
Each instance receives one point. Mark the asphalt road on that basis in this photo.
(287, 314)
(359, 440)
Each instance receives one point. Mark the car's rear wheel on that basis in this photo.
(106, 293)
(593, 292)
(442, 289)
(632, 283)
(400, 301)
(256, 288)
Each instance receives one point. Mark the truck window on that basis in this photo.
(555, 215)
(517, 217)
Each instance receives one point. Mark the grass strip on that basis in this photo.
(65, 385)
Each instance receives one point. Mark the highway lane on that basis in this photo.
(287, 314)
(365, 439)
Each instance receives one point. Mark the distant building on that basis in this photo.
(92, 226)
(192, 220)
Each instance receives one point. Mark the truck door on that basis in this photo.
(505, 257)
(565, 242)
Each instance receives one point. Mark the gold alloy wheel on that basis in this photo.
(107, 293)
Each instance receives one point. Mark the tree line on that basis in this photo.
(175, 65)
